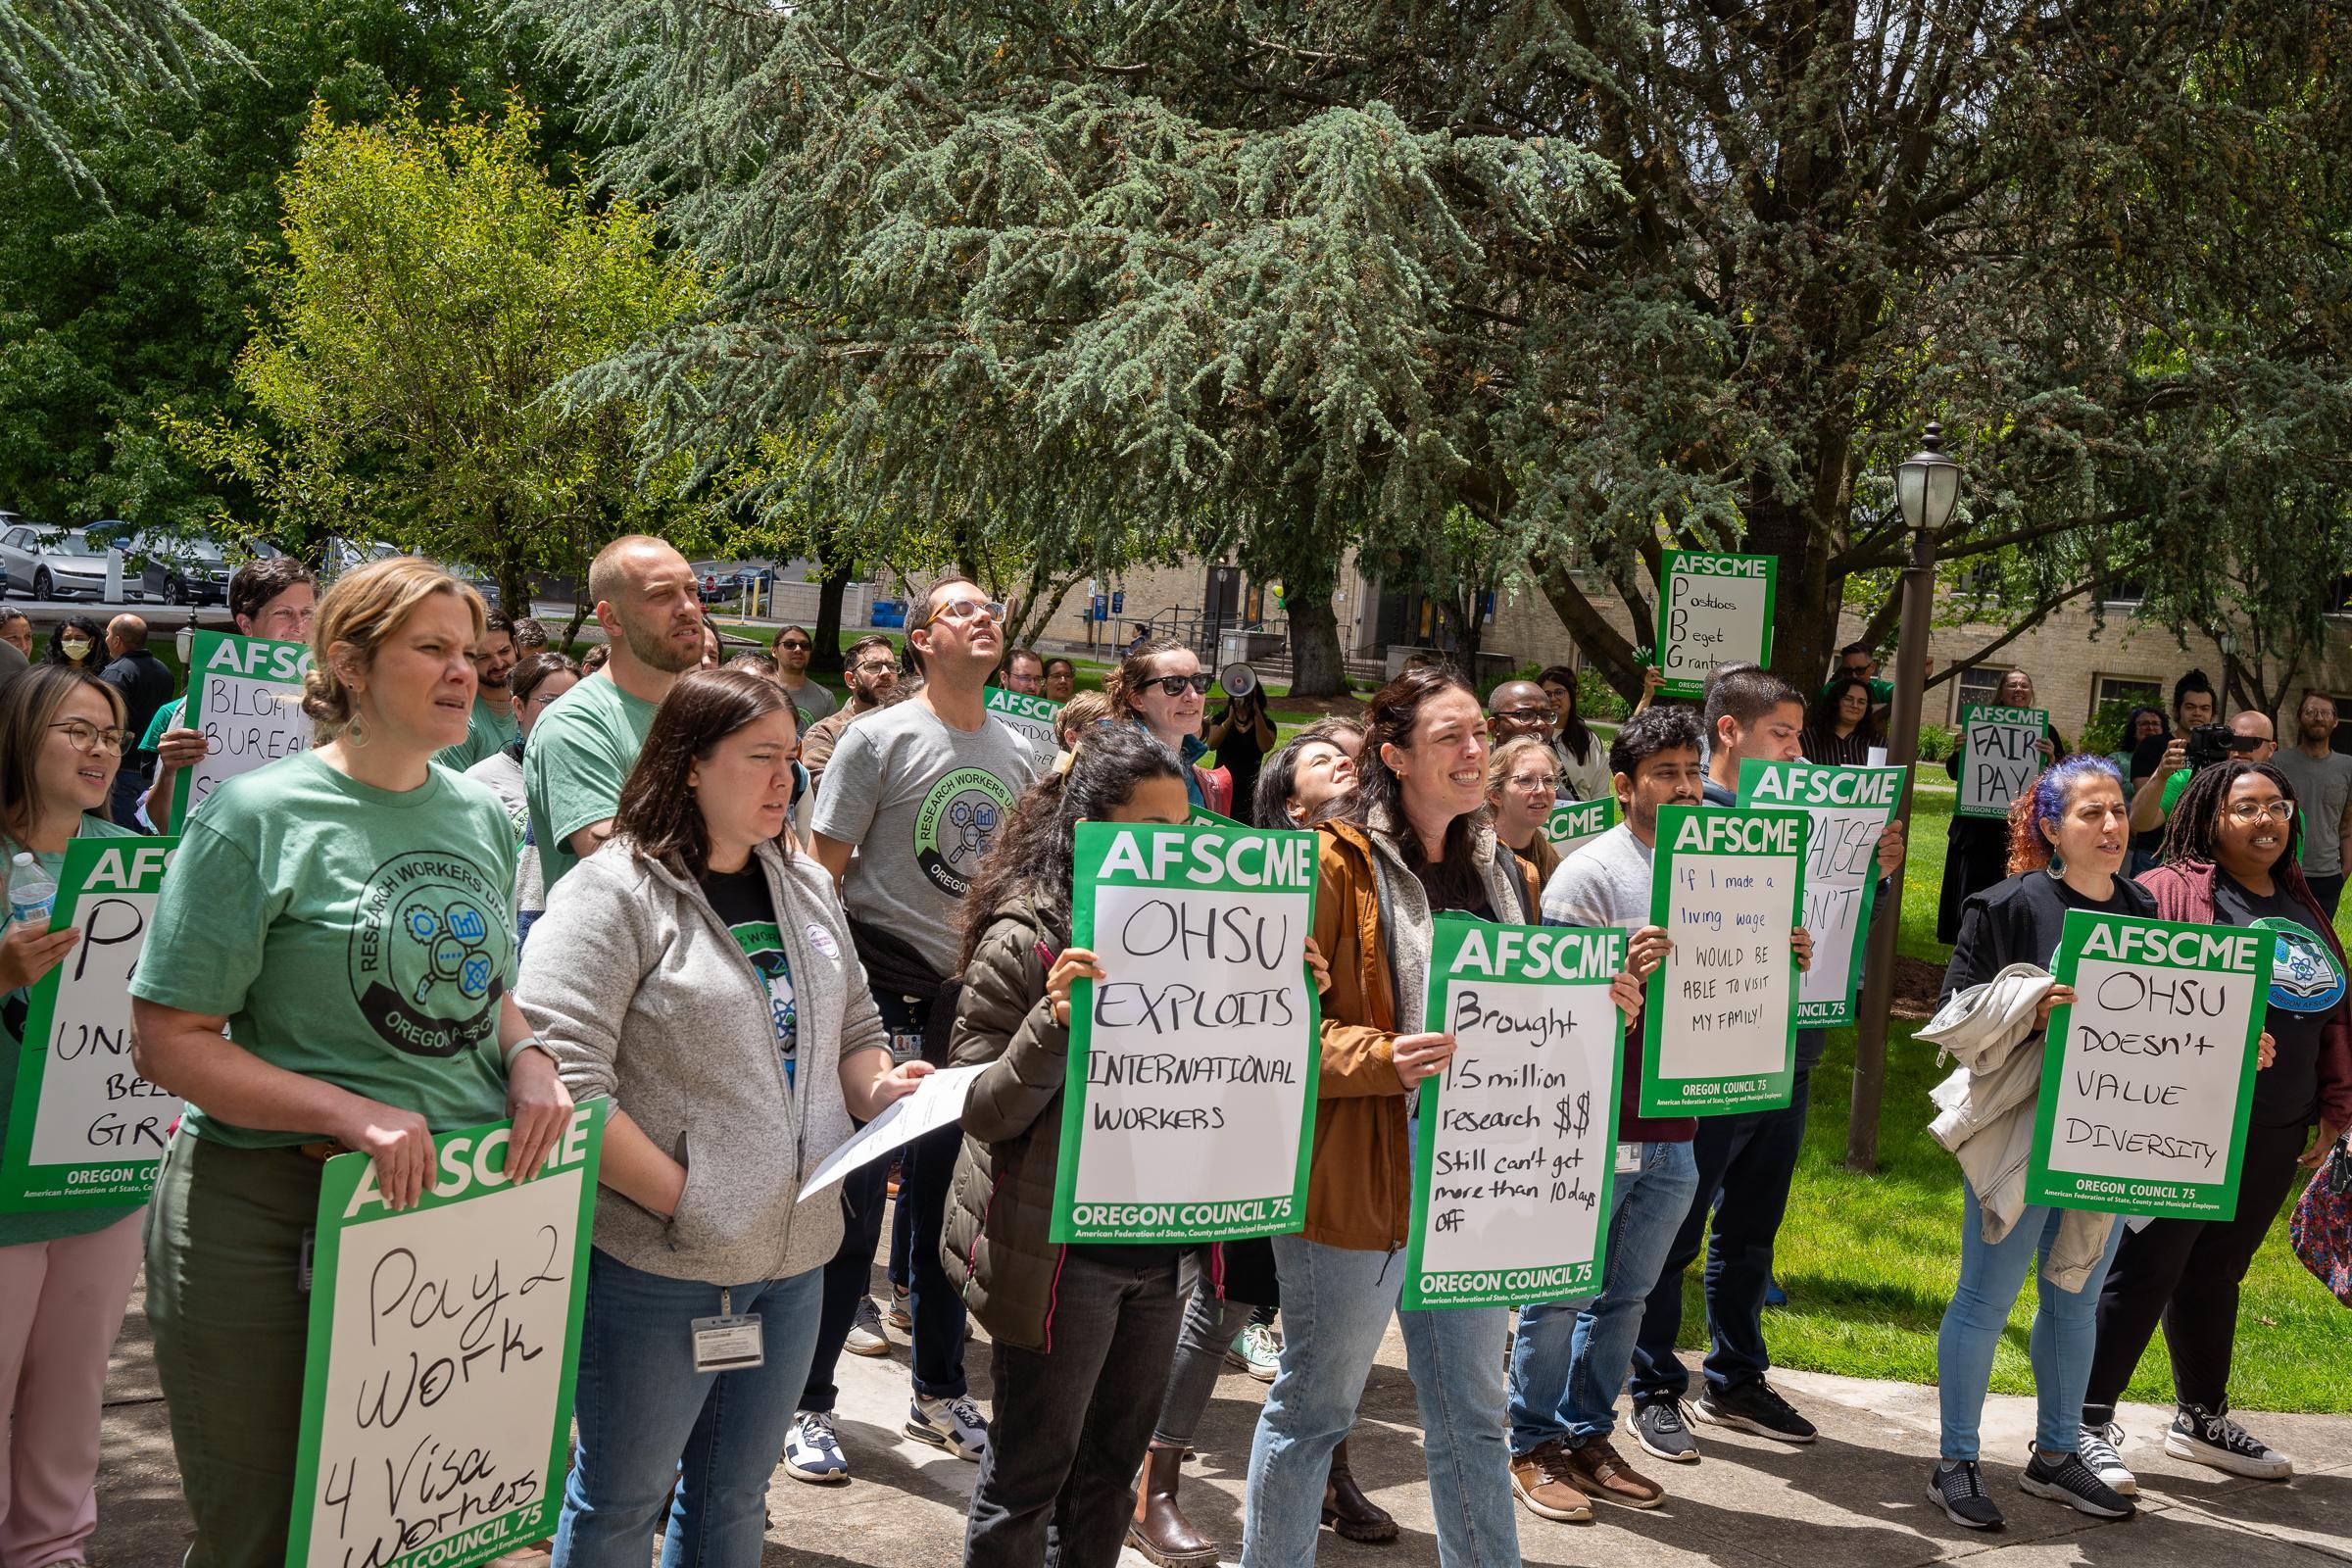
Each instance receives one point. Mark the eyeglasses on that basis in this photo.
(1524, 716)
(874, 666)
(89, 738)
(1176, 685)
(2261, 810)
(966, 609)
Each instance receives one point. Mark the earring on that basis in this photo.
(2057, 865)
(355, 733)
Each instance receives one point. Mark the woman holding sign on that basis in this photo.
(1977, 854)
(65, 1275)
(687, 970)
(2067, 844)
(2229, 859)
(327, 972)
(1162, 686)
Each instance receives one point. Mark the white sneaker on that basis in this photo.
(954, 1425)
(811, 1453)
(2096, 1448)
(865, 1336)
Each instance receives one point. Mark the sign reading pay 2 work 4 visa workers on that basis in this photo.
(245, 697)
(2148, 1075)
(1712, 608)
(1849, 808)
(1718, 1027)
(1515, 1158)
(84, 1130)
(1189, 1109)
(444, 1341)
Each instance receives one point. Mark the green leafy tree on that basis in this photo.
(57, 56)
(435, 289)
(1610, 276)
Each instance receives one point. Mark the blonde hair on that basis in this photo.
(361, 612)
(1082, 711)
(1504, 758)
(28, 705)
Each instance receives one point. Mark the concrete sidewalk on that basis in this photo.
(1856, 1498)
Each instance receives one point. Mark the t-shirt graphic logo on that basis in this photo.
(956, 824)
(2304, 977)
(426, 953)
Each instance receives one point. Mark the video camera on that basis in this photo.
(2209, 744)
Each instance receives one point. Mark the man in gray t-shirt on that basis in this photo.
(2322, 781)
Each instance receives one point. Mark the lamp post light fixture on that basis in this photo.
(1926, 488)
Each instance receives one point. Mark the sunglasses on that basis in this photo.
(1175, 685)
(796, 646)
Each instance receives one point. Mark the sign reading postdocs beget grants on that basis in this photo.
(1189, 1104)
(1712, 609)
(2149, 1073)
(1031, 718)
(245, 697)
(1513, 1164)
(84, 1128)
(1849, 808)
(1718, 1027)
(436, 1401)
(2000, 757)
(1572, 824)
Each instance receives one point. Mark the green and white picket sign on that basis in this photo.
(245, 694)
(2147, 1076)
(1719, 1025)
(2001, 757)
(1202, 816)
(1515, 1158)
(84, 1130)
(436, 1399)
(1712, 609)
(1188, 1111)
(1031, 718)
(1574, 825)
(1849, 808)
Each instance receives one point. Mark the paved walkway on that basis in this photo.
(1856, 1498)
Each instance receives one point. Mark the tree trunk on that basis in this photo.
(1317, 666)
(830, 590)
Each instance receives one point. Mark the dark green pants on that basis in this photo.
(230, 1321)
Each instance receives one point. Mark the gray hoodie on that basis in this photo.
(632, 980)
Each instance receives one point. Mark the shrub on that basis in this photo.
(1936, 742)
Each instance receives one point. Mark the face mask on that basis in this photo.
(75, 648)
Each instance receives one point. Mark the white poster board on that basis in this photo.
(1847, 808)
(2001, 758)
(1031, 718)
(1713, 608)
(245, 697)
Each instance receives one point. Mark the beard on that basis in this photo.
(652, 648)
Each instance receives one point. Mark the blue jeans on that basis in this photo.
(1336, 1306)
(1570, 1356)
(1744, 1164)
(2065, 1329)
(648, 1420)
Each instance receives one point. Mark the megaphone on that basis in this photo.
(1239, 680)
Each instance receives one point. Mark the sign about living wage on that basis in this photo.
(437, 1396)
(1189, 1109)
(245, 696)
(2148, 1075)
(1712, 609)
(85, 1129)
(2001, 757)
(1718, 1027)
(1514, 1160)
(1031, 718)
(1572, 824)
(1847, 808)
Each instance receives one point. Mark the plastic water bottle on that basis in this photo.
(32, 891)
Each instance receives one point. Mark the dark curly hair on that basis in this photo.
(2194, 831)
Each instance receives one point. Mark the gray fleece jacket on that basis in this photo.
(632, 980)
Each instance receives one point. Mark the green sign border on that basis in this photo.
(1673, 1097)
(1449, 932)
(1669, 563)
(1611, 816)
(1094, 842)
(201, 646)
(2214, 1201)
(1841, 1014)
(1967, 716)
(17, 1174)
(534, 1520)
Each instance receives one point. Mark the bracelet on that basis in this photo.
(527, 1043)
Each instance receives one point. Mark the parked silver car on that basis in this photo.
(54, 563)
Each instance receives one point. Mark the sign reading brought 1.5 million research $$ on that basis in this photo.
(1712, 609)
(1513, 1162)
(1720, 1024)
(1190, 1103)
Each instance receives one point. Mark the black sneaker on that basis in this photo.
(2071, 1482)
(1958, 1489)
(2208, 1436)
(1659, 1428)
(1753, 1406)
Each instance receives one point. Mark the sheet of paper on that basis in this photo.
(937, 1101)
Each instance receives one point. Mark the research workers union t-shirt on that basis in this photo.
(923, 803)
(747, 909)
(579, 756)
(355, 935)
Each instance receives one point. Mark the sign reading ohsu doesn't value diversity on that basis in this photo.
(1191, 1093)
(1712, 609)
(1847, 807)
(245, 697)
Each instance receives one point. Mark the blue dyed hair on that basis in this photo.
(2033, 818)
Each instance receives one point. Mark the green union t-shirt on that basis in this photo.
(489, 730)
(359, 936)
(580, 755)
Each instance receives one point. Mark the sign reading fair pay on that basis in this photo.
(245, 697)
(1191, 1096)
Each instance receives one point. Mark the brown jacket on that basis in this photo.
(1361, 1183)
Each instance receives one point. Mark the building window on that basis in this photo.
(1977, 688)
(2139, 690)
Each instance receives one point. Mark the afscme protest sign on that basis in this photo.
(1513, 1164)
(1032, 717)
(1193, 1065)
(245, 697)
(2000, 756)
(1572, 824)
(1712, 609)
(1847, 808)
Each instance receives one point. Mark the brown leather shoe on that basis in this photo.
(1601, 1472)
(1348, 1510)
(1548, 1485)
(1159, 1531)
